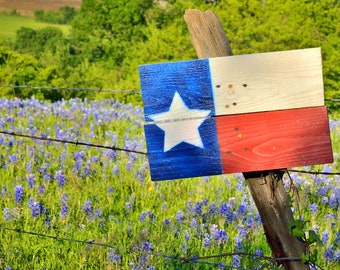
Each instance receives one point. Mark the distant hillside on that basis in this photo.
(27, 7)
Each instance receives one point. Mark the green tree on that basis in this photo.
(105, 29)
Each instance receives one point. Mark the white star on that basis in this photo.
(180, 131)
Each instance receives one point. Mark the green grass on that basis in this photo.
(10, 24)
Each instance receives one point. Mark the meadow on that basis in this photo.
(10, 24)
(102, 211)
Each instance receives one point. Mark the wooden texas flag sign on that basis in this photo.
(235, 114)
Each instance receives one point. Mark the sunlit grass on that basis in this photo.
(10, 24)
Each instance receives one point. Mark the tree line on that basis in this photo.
(109, 39)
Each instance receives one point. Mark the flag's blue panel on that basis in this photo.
(185, 158)
(190, 79)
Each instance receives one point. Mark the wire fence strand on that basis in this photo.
(52, 88)
(176, 259)
(11, 133)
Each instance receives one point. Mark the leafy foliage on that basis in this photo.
(64, 16)
(109, 39)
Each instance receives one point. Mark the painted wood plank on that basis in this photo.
(236, 84)
(267, 81)
(273, 140)
(189, 79)
(184, 157)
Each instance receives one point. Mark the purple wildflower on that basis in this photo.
(113, 257)
(88, 209)
(236, 261)
(314, 208)
(166, 222)
(180, 216)
(42, 188)
(147, 246)
(7, 213)
(31, 180)
(325, 236)
(129, 166)
(206, 240)
(60, 178)
(18, 193)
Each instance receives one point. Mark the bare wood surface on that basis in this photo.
(209, 40)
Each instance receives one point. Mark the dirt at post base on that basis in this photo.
(27, 7)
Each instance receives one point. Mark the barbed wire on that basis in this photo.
(313, 172)
(11, 133)
(52, 88)
(179, 260)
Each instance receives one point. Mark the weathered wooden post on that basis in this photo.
(266, 187)
(245, 114)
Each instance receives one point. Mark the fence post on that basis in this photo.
(266, 187)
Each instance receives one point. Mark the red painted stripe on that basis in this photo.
(274, 140)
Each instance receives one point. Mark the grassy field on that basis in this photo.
(10, 24)
(106, 199)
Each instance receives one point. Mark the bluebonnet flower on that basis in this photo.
(212, 209)
(36, 209)
(207, 242)
(29, 166)
(18, 193)
(180, 216)
(236, 261)
(47, 176)
(87, 170)
(31, 180)
(166, 222)
(12, 158)
(146, 214)
(324, 200)
(8, 267)
(4, 190)
(221, 266)
(64, 205)
(241, 209)
(113, 257)
(147, 246)
(88, 209)
(115, 169)
(60, 178)
(198, 208)
(214, 231)
(314, 208)
(7, 213)
(225, 209)
(325, 236)
(330, 254)
(193, 223)
(333, 202)
(222, 236)
(42, 188)
(128, 206)
(110, 189)
(129, 165)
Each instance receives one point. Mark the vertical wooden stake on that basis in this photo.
(209, 40)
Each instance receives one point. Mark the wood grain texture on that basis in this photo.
(267, 81)
(206, 35)
(236, 84)
(274, 140)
